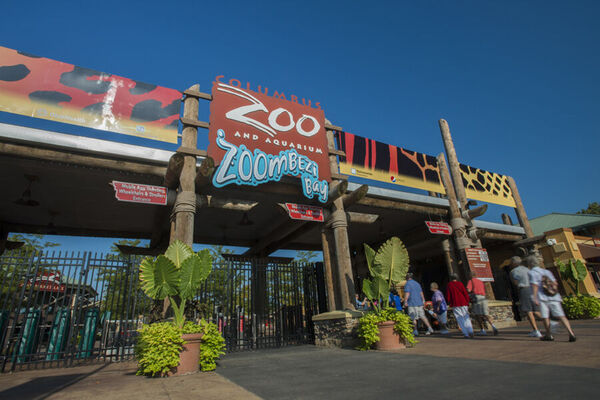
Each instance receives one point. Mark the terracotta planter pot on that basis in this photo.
(388, 339)
(189, 357)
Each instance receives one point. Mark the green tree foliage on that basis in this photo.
(116, 280)
(12, 273)
(592, 208)
(305, 256)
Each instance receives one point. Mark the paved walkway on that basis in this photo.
(510, 365)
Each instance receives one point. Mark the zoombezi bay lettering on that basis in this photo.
(240, 166)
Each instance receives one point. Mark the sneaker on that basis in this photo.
(554, 325)
(572, 338)
(547, 338)
(536, 334)
(427, 333)
(481, 333)
(444, 331)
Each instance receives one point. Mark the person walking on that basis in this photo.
(520, 277)
(414, 300)
(395, 300)
(545, 295)
(481, 310)
(458, 299)
(440, 307)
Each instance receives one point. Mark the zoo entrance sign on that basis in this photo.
(256, 138)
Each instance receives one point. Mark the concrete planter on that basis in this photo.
(189, 357)
(388, 339)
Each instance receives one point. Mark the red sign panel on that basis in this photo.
(439, 228)
(47, 282)
(267, 122)
(49, 89)
(479, 263)
(138, 193)
(304, 212)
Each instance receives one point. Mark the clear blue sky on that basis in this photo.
(517, 81)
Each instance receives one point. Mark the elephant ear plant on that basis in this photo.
(387, 266)
(176, 275)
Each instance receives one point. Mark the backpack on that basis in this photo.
(549, 286)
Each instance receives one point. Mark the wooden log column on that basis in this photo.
(339, 227)
(519, 209)
(185, 205)
(461, 195)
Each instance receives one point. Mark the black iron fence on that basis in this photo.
(60, 309)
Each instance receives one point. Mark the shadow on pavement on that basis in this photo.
(44, 387)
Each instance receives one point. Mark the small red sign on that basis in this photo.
(304, 212)
(439, 228)
(47, 282)
(479, 263)
(139, 193)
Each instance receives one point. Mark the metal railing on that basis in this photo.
(62, 309)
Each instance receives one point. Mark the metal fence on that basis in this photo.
(60, 309)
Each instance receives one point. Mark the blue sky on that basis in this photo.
(517, 81)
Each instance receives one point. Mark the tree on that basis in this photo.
(33, 243)
(592, 208)
(14, 268)
(304, 257)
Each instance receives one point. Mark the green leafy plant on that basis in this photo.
(176, 275)
(581, 307)
(157, 348)
(388, 266)
(572, 272)
(212, 347)
(368, 329)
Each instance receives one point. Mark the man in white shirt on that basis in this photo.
(549, 303)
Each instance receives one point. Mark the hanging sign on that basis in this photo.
(257, 138)
(439, 228)
(479, 264)
(305, 212)
(139, 193)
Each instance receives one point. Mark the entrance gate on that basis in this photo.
(63, 309)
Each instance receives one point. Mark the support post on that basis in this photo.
(519, 209)
(185, 205)
(328, 267)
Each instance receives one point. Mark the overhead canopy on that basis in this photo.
(59, 184)
(589, 252)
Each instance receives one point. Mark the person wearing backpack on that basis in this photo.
(546, 297)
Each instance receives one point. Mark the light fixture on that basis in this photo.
(245, 220)
(25, 199)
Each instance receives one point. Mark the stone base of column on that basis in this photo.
(337, 329)
(500, 311)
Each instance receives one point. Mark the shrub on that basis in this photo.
(157, 349)
(581, 307)
(369, 332)
(212, 347)
(159, 344)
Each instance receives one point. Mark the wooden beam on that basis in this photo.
(520, 210)
(475, 212)
(337, 153)
(18, 150)
(192, 152)
(404, 206)
(361, 218)
(502, 236)
(171, 180)
(198, 94)
(355, 196)
(336, 189)
(227, 204)
(143, 251)
(194, 122)
(204, 174)
(333, 127)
